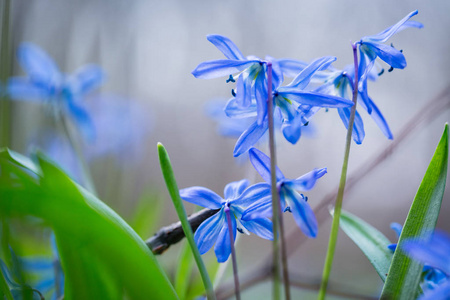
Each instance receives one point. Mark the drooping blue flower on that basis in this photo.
(45, 83)
(371, 47)
(291, 200)
(435, 254)
(237, 197)
(294, 105)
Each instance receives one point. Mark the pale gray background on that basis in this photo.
(149, 48)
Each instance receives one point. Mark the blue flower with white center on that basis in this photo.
(294, 104)
(45, 83)
(371, 47)
(290, 199)
(435, 254)
(214, 230)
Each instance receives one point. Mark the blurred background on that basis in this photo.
(148, 50)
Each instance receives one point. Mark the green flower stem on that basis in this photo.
(233, 255)
(85, 173)
(172, 187)
(340, 196)
(5, 72)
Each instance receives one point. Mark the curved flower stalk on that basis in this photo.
(435, 254)
(214, 230)
(291, 200)
(62, 92)
(432, 277)
(371, 47)
(295, 105)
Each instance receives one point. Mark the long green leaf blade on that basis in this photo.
(169, 178)
(404, 274)
(101, 255)
(370, 240)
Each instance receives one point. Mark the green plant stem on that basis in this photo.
(233, 255)
(340, 196)
(273, 183)
(172, 187)
(5, 72)
(86, 177)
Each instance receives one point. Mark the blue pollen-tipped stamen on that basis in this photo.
(230, 79)
(287, 209)
(240, 230)
(233, 93)
(381, 72)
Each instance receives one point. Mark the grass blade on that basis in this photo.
(371, 242)
(172, 187)
(404, 274)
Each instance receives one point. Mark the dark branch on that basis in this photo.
(173, 233)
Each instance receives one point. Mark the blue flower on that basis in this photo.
(291, 200)
(295, 105)
(434, 253)
(214, 230)
(45, 83)
(371, 47)
(433, 274)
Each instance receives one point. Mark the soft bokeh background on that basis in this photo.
(149, 48)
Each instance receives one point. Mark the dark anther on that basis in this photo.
(233, 93)
(381, 72)
(401, 50)
(306, 199)
(231, 79)
(391, 69)
(287, 209)
(306, 124)
(240, 230)
(326, 109)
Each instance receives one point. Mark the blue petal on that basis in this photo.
(380, 120)
(86, 79)
(218, 68)
(397, 228)
(358, 125)
(226, 46)
(243, 92)
(234, 189)
(389, 54)
(201, 196)
(387, 33)
(261, 95)
(313, 98)
(440, 292)
(234, 110)
(260, 209)
(261, 163)
(291, 67)
(38, 65)
(292, 130)
(83, 120)
(277, 74)
(301, 211)
(306, 181)
(23, 89)
(206, 234)
(303, 79)
(223, 245)
(363, 96)
(37, 264)
(261, 227)
(250, 137)
(253, 194)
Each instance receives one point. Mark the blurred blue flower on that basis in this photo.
(238, 196)
(433, 275)
(371, 47)
(290, 199)
(63, 92)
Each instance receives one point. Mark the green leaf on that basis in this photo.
(172, 187)
(404, 274)
(184, 271)
(371, 242)
(102, 257)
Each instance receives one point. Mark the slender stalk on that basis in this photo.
(340, 196)
(5, 72)
(284, 255)
(86, 177)
(233, 255)
(273, 182)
